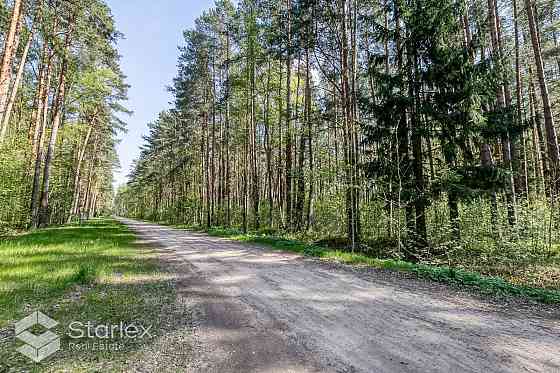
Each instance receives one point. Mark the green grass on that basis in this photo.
(92, 272)
(444, 274)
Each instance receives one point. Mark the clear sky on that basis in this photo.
(153, 31)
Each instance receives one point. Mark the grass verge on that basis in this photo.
(443, 274)
(94, 273)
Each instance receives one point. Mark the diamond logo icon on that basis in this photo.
(37, 347)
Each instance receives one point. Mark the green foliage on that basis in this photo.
(13, 162)
(79, 40)
(86, 274)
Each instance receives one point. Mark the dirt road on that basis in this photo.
(264, 311)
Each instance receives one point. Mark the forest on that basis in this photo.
(61, 91)
(305, 186)
(421, 130)
(321, 186)
(417, 130)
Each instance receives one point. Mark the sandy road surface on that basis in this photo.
(264, 311)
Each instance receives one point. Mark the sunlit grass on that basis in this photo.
(41, 265)
(95, 272)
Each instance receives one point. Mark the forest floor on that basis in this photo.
(257, 310)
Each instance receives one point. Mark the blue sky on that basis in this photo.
(153, 31)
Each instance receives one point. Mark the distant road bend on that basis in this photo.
(268, 311)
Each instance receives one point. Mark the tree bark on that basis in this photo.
(521, 179)
(10, 48)
(57, 119)
(268, 148)
(81, 157)
(503, 102)
(21, 69)
(228, 175)
(551, 136)
(300, 182)
(255, 195)
(288, 171)
(350, 136)
(309, 136)
(39, 143)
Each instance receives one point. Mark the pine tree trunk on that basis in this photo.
(245, 177)
(268, 148)
(57, 119)
(21, 69)
(417, 152)
(288, 170)
(300, 182)
(206, 163)
(502, 103)
(403, 134)
(350, 136)
(521, 178)
(10, 48)
(81, 157)
(213, 160)
(228, 172)
(255, 196)
(309, 135)
(551, 137)
(40, 140)
(280, 183)
(539, 152)
(34, 125)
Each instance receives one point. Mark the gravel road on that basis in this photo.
(258, 310)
